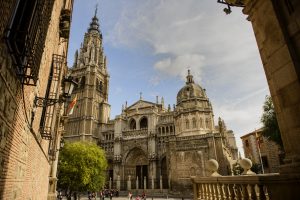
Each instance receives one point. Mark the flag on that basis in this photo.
(71, 106)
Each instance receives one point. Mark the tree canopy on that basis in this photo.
(81, 167)
(269, 120)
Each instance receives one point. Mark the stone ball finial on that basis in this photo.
(212, 165)
(246, 164)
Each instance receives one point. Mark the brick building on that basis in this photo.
(262, 150)
(33, 49)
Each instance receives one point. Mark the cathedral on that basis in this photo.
(148, 145)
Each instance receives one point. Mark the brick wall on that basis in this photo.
(24, 159)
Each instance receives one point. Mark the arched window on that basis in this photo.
(187, 124)
(167, 129)
(82, 82)
(206, 123)
(97, 82)
(101, 86)
(132, 124)
(194, 123)
(171, 129)
(201, 122)
(144, 123)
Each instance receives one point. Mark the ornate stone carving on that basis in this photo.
(118, 158)
(152, 156)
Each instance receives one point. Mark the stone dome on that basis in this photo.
(190, 91)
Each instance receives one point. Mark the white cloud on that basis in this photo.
(178, 66)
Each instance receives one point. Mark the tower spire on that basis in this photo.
(96, 9)
(94, 25)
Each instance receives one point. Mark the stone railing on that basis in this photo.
(249, 186)
(135, 133)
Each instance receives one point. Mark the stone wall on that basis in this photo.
(278, 40)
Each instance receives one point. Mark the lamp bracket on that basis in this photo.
(45, 102)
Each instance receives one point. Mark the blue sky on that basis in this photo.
(151, 44)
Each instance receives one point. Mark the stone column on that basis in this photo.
(160, 183)
(277, 42)
(152, 182)
(145, 182)
(118, 183)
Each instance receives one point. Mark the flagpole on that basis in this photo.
(259, 153)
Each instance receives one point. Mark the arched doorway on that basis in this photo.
(136, 166)
(164, 173)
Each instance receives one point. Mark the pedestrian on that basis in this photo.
(130, 196)
(110, 195)
(144, 196)
(59, 195)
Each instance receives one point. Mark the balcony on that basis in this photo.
(246, 187)
(130, 134)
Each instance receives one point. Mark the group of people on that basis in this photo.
(108, 193)
(138, 197)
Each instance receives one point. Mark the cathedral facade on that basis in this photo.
(148, 146)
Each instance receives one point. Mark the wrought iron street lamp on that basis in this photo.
(68, 84)
(229, 3)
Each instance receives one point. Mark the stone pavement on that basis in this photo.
(126, 198)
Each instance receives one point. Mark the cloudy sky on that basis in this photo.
(151, 44)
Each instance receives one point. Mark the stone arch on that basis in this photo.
(136, 165)
(135, 155)
(132, 124)
(144, 123)
(164, 171)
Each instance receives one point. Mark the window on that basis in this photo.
(206, 123)
(246, 143)
(201, 122)
(26, 35)
(132, 124)
(265, 161)
(100, 86)
(144, 123)
(82, 82)
(194, 123)
(187, 124)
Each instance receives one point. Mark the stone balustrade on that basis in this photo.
(249, 186)
(135, 133)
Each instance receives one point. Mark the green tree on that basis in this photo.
(269, 120)
(81, 167)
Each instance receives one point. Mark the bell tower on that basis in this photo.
(90, 71)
